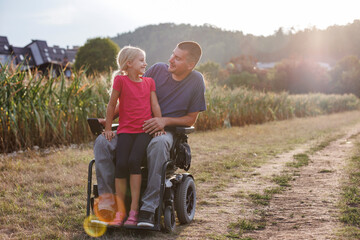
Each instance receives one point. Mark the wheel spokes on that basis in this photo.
(189, 201)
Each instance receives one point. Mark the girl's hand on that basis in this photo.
(159, 133)
(109, 135)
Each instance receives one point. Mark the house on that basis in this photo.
(38, 54)
(5, 50)
(265, 65)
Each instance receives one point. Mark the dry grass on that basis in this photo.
(43, 195)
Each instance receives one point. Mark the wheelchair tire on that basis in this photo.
(185, 200)
(169, 220)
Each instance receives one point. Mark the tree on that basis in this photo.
(244, 78)
(299, 76)
(345, 76)
(210, 71)
(97, 55)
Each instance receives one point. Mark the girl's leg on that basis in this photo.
(120, 191)
(137, 155)
(123, 148)
(135, 185)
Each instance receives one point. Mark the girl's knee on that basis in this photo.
(134, 166)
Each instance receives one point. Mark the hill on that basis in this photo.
(220, 46)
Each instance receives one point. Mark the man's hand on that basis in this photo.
(154, 125)
(159, 133)
(102, 121)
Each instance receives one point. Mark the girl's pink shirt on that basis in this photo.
(135, 106)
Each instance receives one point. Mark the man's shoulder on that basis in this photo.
(156, 70)
(196, 77)
(197, 74)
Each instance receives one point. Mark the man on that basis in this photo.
(180, 91)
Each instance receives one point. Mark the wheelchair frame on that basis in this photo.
(172, 190)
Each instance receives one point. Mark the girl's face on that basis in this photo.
(138, 65)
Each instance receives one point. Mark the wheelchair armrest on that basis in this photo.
(114, 126)
(97, 128)
(184, 130)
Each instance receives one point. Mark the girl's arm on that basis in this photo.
(155, 108)
(109, 134)
(116, 115)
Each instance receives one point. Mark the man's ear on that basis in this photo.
(191, 65)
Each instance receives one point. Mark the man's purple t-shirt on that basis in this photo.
(177, 98)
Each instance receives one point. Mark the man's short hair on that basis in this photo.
(193, 48)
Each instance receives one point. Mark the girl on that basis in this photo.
(137, 100)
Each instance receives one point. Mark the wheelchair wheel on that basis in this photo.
(169, 219)
(185, 201)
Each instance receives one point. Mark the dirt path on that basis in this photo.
(306, 210)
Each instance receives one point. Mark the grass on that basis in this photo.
(44, 198)
(300, 160)
(323, 144)
(237, 229)
(283, 180)
(262, 199)
(43, 193)
(350, 202)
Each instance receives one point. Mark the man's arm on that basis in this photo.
(158, 123)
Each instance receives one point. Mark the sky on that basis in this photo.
(71, 22)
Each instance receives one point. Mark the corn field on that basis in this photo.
(42, 110)
(241, 106)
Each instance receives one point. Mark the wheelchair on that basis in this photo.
(177, 192)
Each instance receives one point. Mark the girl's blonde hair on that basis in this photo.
(125, 55)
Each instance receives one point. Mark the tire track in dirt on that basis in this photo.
(213, 218)
(309, 209)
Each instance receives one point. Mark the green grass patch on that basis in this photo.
(282, 180)
(262, 199)
(274, 190)
(300, 160)
(237, 229)
(324, 143)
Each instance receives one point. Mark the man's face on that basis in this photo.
(179, 63)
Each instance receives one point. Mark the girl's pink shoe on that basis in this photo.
(118, 220)
(132, 219)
